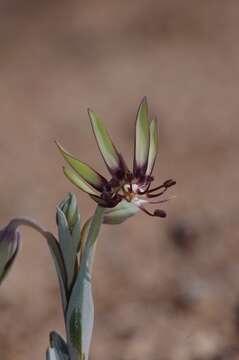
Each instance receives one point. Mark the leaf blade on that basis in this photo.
(68, 247)
(57, 342)
(81, 295)
(60, 267)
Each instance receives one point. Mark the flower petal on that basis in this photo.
(107, 203)
(120, 213)
(111, 156)
(77, 181)
(153, 147)
(85, 171)
(141, 150)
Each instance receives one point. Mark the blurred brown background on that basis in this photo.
(164, 289)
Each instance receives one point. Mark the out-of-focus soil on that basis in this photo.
(163, 289)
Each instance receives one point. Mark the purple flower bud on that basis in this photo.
(9, 246)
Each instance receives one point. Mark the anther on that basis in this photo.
(169, 183)
(160, 213)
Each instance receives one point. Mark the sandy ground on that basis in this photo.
(164, 289)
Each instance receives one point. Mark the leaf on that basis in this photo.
(141, 139)
(77, 181)
(60, 267)
(57, 342)
(51, 354)
(76, 235)
(153, 147)
(10, 262)
(111, 156)
(55, 354)
(76, 330)
(68, 247)
(81, 300)
(91, 176)
(70, 209)
(84, 233)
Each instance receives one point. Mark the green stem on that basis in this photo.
(53, 247)
(25, 221)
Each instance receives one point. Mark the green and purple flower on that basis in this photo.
(124, 186)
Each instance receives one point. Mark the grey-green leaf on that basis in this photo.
(57, 342)
(6, 268)
(76, 330)
(55, 354)
(60, 267)
(81, 300)
(68, 247)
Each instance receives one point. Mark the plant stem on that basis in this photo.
(25, 221)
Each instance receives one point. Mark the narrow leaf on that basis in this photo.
(83, 237)
(51, 354)
(76, 234)
(9, 264)
(55, 354)
(81, 296)
(60, 267)
(76, 330)
(57, 342)
(68, 247)
(70, 209)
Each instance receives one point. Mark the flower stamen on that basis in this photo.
(157, 212)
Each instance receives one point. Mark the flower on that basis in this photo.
(124, 186)
(9, 246)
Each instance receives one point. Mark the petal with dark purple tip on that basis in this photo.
(85, 171)
(141, 150)
(107, 203)
(77, 181)
(153, 146)
(111, 156)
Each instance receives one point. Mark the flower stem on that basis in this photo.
(25, 221)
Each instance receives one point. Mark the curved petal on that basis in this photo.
(120, 213)
(153, 146)
(77, 181)
(91, 176)
(141, 148)
(104, 203)
(111, 156)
